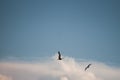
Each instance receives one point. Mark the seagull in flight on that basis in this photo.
(59, 56)
(88, 67)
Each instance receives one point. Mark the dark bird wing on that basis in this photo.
(88, 67)
(85, 68)
(59, 56)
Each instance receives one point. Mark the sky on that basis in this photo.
(83, 29)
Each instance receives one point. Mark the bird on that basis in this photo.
(59, 56)
(88, 67)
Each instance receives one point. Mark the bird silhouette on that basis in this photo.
(59, 56)
(88, 67)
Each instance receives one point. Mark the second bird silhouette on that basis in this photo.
(59, 56)
(88, 67)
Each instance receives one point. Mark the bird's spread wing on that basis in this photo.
(88, 66)
(59, 54)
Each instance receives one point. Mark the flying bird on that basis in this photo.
(59, 56)
(88, 67)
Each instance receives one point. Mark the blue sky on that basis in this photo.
(84, 29)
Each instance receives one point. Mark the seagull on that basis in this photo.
(88, 67)
(59, 56)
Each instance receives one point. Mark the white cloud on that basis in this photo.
(53, 69)
(3, 77)
(64, 78)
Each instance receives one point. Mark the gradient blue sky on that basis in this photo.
(87, 29)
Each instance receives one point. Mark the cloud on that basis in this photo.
(3, 77)
(53, 69)
(64, 78)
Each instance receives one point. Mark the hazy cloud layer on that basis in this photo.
(3, 77)
(53, 69)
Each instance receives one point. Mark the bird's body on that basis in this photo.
(88, 67)
(59, 56)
